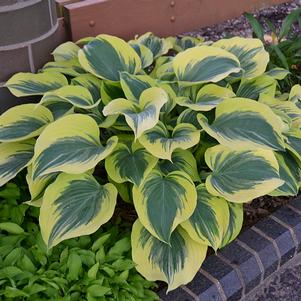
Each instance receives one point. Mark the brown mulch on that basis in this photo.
(240, 26)
(262, 207)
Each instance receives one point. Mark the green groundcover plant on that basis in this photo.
(92, 268)
(283, 45)
(184, 130)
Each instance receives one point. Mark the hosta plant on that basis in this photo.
(182, 130)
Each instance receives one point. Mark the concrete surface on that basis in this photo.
(284, 285)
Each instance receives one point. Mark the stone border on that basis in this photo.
(245, 263)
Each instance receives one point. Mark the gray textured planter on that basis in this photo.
(244, 264)
(29, 31)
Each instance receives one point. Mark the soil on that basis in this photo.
(241, 27)
(262, 207)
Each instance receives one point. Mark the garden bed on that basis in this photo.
(170, 136)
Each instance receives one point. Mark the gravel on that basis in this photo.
(241, 27)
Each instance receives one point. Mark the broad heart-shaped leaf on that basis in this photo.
(252, 88)
(59, 109)
(129, 163)
(110, 90)
(71, 67)
(25, 84)
(160, 143)
(37, 187)
(278, 73)
(89, 81)
(70, 144)
(186, 42)
(144, 53)
(293, 142)
(14, 156)
(295, 93)
(204, 64)
(134, 85)
(250, 52)
(243, 123)
(176, 263)
(78, 96)
(207, 98)
(288, 108)
(181, 160)
(189, 116)
(158, 46)
(65, 51)
(236, 215)
(23, 122)
(164, 201)
(75, 205)
(140, 116)
(240, 176)
(290, 173)
(209, 220)
(106, 56)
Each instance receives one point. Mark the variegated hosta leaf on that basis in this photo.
(107, 55)
(166, 73)
(75, 205)
(160, 143)
(176, 263)
(129, 163)
(189, 116)
(124, 190)
(90, 82)
(160, 61)
(243, 123)
(144, 53)
(23, 122)
(250, 52)
(241, 175)
(278, 73)
(172, 96)
(134, 85)
(71, 67)
(164, 201)
(37, 187)
(289, 108)
(293, 142)
(59, 109)
(140, 116)
(204, 64)
(158, 46)
(187, 42)
(70, 144)
(65, 52)
(84, 41)
(236, 215)
(207, 98)
(110, 90)
(78, 96)
(181, 160)
(290, 173)
(14, 156)
(209, 220)
(252, 88)
(295, 95)
(26, 84)
(96, 114)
